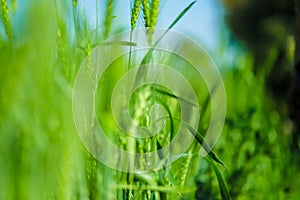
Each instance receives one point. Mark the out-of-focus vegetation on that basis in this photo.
(42, 45)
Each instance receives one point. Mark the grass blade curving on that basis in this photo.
(222, 184)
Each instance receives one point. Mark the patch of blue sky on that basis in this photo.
(204, 22)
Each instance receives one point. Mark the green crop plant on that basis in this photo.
(43, 44)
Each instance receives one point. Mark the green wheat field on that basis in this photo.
(42, 46)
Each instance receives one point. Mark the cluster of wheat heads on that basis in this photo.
(178, 179)
(42, 158)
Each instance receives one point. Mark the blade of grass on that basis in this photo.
(148, 55)
(183, 12)
(122, 43)
(174, 96)
(222, 184)
(204, 144)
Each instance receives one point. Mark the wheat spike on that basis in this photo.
(146, 12)
(135, 13)
(6, 18)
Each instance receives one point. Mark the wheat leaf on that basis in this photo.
(222, 184)
(205, 146)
